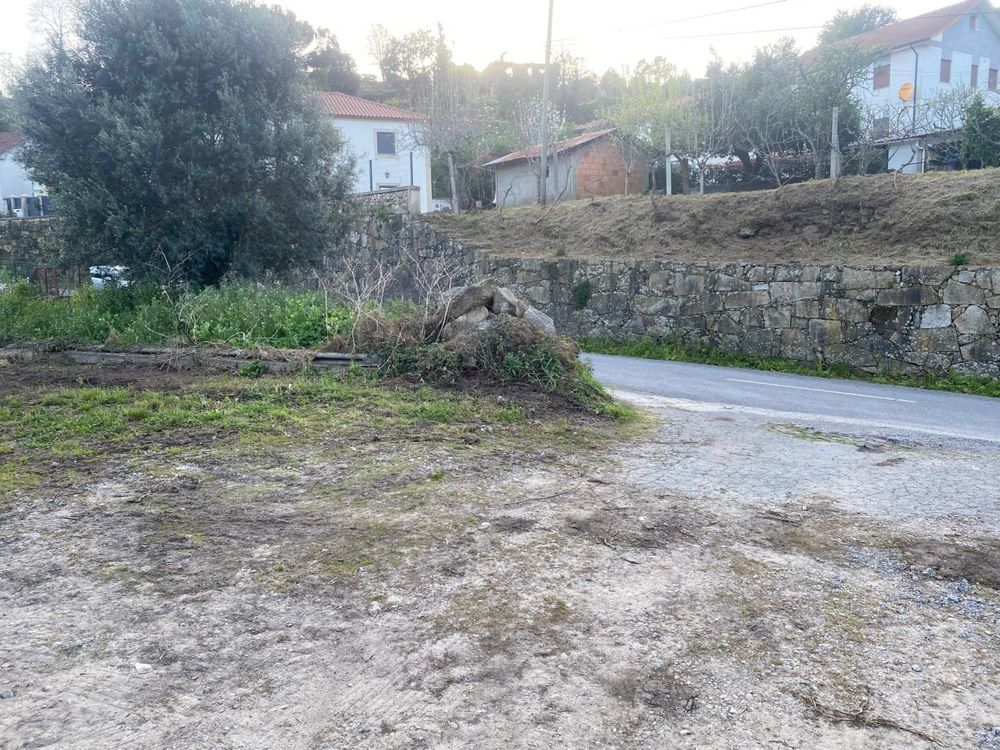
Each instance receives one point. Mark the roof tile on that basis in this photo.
(336, 104)
(10, 141)
(556, 147)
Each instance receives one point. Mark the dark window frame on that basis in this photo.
(991, 82)
(378, 143)
(945, 76)
(974, 77)
(881, 77)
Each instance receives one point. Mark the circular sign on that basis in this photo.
(906, 92)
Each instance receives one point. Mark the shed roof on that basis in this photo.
(555, 148)
(336, 104)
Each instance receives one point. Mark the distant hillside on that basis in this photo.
(892, 219)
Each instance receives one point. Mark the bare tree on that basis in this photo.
(378, 47)
(53, 22)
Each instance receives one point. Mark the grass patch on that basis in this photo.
(648, 348)
(48, 429)
(236, 314)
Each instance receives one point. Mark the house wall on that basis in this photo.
(14, 181)
(601, 171)
(517, 182)
(371, 169)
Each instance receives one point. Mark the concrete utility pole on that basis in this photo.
(836, 166)
(668, 184)
(544, 166)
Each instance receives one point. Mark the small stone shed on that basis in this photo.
(584, 166)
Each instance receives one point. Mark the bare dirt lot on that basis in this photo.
(313, 562)
(866, 221)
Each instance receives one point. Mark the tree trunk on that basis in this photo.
(701, 179)
(456, 201)
(746, 161)
(685, 175)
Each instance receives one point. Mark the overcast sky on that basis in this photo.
(606, 35)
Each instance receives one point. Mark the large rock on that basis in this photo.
(504, 302)
(477, 295)
(475, 320)
(540, 320)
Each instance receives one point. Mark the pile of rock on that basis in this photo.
(474, 309)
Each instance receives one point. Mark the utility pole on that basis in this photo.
(668, 184)
(543, 181)
(835, 157)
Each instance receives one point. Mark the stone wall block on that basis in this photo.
(907, 296)
(957, 293)
(790, 291)
(975, 320)
(863, 278)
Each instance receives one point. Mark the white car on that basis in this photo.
(108, 276)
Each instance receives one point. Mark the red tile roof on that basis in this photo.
(910, 30)
(556, 148)
(10, 141)
(336, 104)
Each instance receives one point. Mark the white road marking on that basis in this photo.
(821, 390)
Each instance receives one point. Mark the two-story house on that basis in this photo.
(929, 66)
(383, 141)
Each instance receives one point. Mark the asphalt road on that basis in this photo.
(849, 402)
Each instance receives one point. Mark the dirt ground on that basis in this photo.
(865, 221)
(592, 586)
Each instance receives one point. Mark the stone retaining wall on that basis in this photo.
(908, 320)
(28, 242)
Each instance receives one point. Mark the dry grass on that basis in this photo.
(883, 219)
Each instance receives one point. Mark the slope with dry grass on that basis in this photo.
(875, 220)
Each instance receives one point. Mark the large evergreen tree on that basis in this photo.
(847, 23)
(179, 138)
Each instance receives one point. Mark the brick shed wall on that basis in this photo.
(600, 170)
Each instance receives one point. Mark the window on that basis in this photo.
(945, 71)
(881, 77)
(880, 127)
(388, 185)
(992, 82)
(974, 80)
(973, 19)
(385, 143)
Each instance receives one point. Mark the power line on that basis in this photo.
(678, 20)
(714, 34)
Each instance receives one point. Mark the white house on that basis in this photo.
(930, 66)
(19, 196)
(381, 139)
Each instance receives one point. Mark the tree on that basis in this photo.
(329, 68)
(180, 139)
(408, 65)
(982, 133)
(454, 127)
(848, 23)
(378, 48)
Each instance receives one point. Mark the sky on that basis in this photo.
(606, 35)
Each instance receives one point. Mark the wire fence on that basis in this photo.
(53, 279)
